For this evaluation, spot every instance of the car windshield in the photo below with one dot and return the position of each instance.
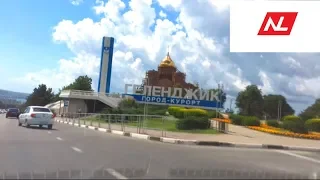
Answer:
(13, 110)
(41, 110)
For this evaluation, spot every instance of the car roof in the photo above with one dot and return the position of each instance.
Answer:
(38, 107)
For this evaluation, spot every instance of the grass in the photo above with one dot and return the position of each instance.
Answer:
(168, 124)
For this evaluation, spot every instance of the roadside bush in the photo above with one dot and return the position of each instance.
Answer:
(313, 125)
(181, 112)
(296, 126)
(190, 123)
(273, 123)
(128, 103)
(214, 114)
(160, 112)
(195, 112)
(173, 110)
(236, 119)
(290, 118)
(251, 121)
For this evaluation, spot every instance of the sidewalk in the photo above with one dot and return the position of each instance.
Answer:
(237, 134)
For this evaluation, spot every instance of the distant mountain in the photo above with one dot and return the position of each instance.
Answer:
(12, 94)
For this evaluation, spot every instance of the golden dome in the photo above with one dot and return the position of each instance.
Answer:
(167, 62)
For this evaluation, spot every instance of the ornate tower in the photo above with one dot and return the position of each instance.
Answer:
(167, 69)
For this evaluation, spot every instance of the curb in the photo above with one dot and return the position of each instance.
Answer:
(194, 142)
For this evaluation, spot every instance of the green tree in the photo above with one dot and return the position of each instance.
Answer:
(312, 111)
(250, 101)
(56, 96)
(128, 103)
(81, 83)
(40, 96)
(271, 104)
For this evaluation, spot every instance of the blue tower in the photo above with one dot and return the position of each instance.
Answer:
(105, 65)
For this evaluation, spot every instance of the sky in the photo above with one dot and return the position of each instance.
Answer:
(53, 42)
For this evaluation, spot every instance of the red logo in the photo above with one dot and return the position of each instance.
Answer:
(278, 23)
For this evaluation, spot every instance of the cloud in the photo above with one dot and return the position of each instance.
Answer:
(67, 70)
(199, 44)
(76, 2)
(162, 14)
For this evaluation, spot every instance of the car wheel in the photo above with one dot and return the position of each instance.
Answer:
(26, 123)
(50, 126)
(19, 124)
(6, 116)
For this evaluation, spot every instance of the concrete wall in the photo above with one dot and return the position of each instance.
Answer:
(75, 104)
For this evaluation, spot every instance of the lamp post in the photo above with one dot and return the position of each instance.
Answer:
(230, 104)
(145, 110)
(279, 109)
(217, 101)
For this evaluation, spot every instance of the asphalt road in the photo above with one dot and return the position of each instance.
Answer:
(72, 152)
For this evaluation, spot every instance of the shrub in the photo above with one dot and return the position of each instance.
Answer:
(251, 121)
(181, 112)
(160, 112)
(191, 122)
(236, 119)
(214, 114)
(195, 112)
(290, 118)
(273, 123)
(173, 110)
(128, 103)
(296, 126)
(313, 125)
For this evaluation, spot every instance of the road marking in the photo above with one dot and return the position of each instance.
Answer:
(77, 149)
(91, 127)
(314, 176)
(299, 156)
(115, 174)
(59, 138)
(49, 132)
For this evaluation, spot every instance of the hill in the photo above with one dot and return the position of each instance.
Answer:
(12, 94)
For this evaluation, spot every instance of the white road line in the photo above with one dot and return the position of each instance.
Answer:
(77, 149)
(299, 156)
(59, 138)
(49, 132)
(314, 176)
(116, 174)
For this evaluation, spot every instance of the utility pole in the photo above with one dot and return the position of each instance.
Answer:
(145, 108)
(221, 94)
(217, 101)
(230, 104)
(279, 109)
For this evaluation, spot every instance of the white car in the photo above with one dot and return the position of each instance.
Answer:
(36, 115)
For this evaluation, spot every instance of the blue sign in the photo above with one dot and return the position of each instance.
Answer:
(66, 103)
(176, 101)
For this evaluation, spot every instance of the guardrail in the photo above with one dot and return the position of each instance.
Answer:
(141, 124)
